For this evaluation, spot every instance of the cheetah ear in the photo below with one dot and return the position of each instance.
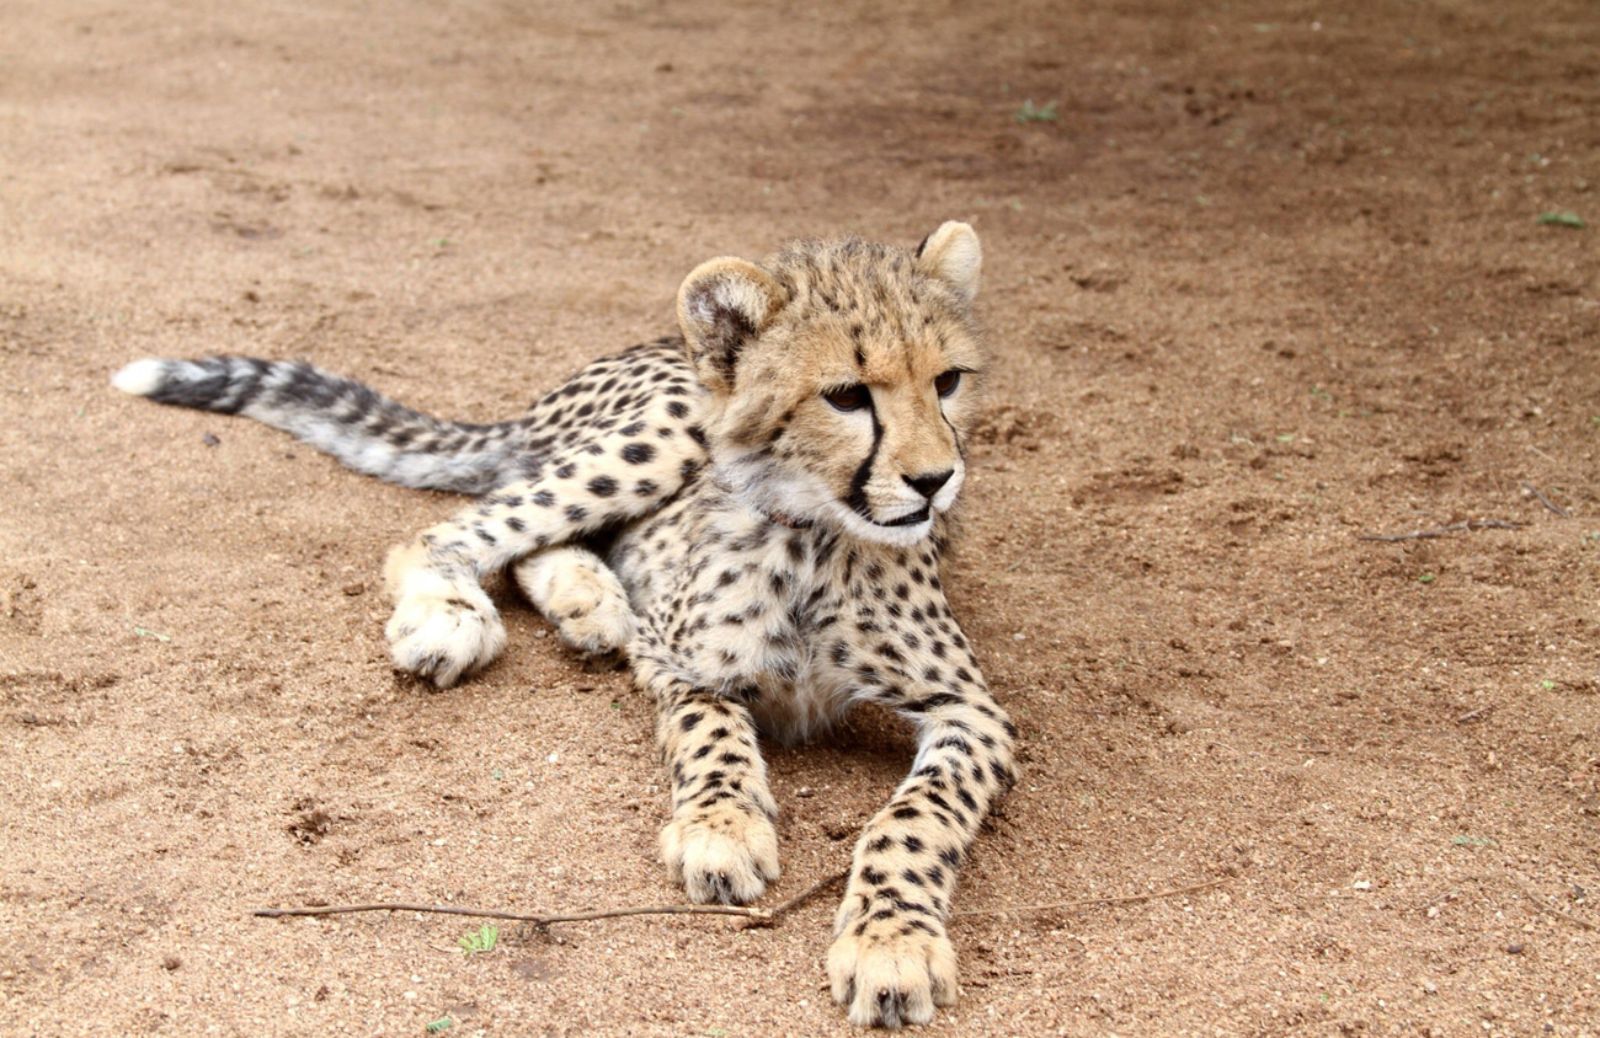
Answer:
(952, 255)
(722, 306)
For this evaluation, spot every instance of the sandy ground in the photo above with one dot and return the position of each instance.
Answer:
(1271, 279)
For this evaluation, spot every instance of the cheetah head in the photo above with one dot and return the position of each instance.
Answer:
(841, 379)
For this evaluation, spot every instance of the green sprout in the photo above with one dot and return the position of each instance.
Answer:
(481, 940)
(1031, 113)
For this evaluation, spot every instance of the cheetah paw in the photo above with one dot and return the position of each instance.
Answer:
(890, 973)
(442, 637)
(724, 853)
(592, 618)
(581, 596)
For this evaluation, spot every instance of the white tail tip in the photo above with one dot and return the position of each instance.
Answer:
(141, 378)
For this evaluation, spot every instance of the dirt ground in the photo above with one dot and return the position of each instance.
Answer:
(1272, 278)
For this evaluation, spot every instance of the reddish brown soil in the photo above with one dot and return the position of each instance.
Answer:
(1272, 279)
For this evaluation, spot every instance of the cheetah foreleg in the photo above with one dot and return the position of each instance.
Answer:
(891, 961)
(720, 842)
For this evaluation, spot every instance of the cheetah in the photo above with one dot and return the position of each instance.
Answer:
(752, 513)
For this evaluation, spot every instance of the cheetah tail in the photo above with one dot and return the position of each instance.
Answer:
(362, 428)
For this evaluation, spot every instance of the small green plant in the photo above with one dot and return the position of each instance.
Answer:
(1547, 685)
(1563, 218)
(1031, 113)
(1427, 578)
(145, 632)
(481, 940)
(1473, 841)
(439, 1026)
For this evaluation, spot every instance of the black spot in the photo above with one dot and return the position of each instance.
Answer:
(645, 488)
(688, 721)
(602, 486)
(514, 524)
(678, 409)
(638, 453)
(567, 471)
(577, 513)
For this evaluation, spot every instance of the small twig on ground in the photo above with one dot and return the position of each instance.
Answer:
(1475, 715)
(1543, 500)
(758, 916)
(1445, 531)
(1090, 902)
(1538, 902)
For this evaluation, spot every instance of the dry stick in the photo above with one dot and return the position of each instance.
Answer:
(757, 916)
(1443, 531)
(1536, 492)
(1538, 902)
(1087, 902)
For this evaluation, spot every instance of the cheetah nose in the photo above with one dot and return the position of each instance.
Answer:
(929, 484)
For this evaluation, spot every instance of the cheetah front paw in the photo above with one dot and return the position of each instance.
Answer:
(441, 637)
(892, 971)
(726, 853)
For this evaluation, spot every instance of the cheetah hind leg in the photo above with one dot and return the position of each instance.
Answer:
(578, 592)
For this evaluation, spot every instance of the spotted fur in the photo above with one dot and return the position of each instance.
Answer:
(753, 512)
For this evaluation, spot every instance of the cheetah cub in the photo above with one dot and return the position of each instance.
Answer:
(753, 513)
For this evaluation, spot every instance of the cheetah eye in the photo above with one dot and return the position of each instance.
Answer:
(848, 398)
(946, 384)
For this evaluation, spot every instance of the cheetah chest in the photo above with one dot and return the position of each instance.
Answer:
(741, 607)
